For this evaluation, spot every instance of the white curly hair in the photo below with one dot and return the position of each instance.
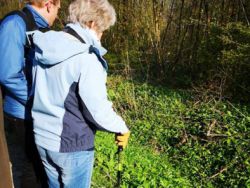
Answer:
(101, 12)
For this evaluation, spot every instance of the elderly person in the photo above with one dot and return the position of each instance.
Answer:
(70, 96)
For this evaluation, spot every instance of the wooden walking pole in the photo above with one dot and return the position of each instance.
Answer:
(5, 169)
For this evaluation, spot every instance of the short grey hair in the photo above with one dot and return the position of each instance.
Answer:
(86, 11)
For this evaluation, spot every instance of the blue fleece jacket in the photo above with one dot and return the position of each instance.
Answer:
(12, 62)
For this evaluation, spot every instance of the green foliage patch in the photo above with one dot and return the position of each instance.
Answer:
(142, 167)
(177, 140)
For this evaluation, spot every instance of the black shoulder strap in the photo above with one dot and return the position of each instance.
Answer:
(27, 17)
(43, 30)
(18, 12)
(31, 23)
(29, 20)
(15, 12)
(92, 49)
(72, 32)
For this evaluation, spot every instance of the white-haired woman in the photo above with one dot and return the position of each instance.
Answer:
(70, 97)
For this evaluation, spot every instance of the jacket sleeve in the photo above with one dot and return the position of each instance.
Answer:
(96, 106)
(12, 37)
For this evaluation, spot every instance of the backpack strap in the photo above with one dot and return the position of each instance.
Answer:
(72, 32)
(27, 17)
(92, 49)
(15, 12)
(30, 24)
(29, 20)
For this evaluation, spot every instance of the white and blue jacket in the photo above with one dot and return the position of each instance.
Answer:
(70, 96)
(12, 62)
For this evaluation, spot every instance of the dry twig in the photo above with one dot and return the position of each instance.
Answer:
(217, 174)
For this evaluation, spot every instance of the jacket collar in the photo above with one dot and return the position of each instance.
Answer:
(40, 21)
(88, 36)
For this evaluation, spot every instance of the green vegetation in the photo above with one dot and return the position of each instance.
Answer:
(177, 139)
(142, 166)
(201, 44)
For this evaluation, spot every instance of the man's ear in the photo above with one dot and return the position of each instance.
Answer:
(48, 5)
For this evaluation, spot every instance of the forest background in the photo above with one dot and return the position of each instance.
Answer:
(179, 76)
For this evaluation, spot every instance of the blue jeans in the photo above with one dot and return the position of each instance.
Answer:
(68, 170)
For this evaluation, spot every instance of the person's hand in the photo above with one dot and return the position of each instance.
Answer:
(122, 139)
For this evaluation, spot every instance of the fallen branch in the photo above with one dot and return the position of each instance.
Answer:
(211, 127)
(217, 135)
(217, 174)
(184, 139)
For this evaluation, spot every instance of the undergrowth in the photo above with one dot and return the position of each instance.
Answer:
(177, 140)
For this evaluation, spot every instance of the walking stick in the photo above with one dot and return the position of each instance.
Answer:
(119, 172)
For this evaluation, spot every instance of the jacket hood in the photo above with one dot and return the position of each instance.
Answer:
(53, 47)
